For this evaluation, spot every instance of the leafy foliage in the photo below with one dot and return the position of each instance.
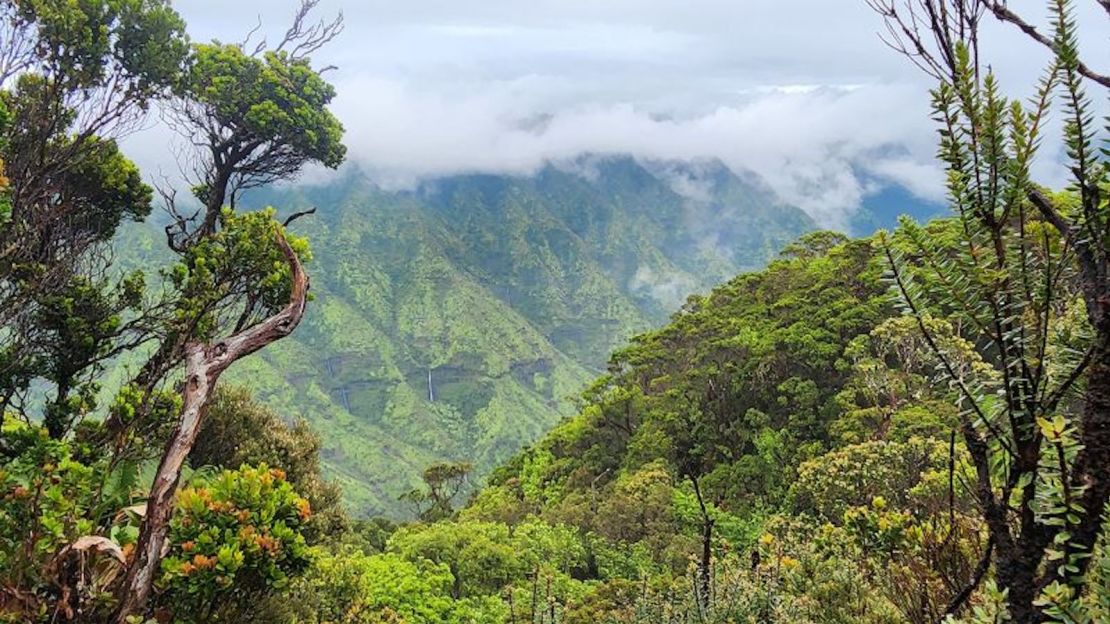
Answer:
(73, 75)
(267, 98)
(356, 588)
(233, 539)
(97, 359)
(458, 321)
(234, 277)
(1025, 278)
(238, 430)
(442, 484)
(795, 446)
(51, 499)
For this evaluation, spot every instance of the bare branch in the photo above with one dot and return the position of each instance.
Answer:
(302, 39)
(261, 45)
(17, 49)
(297, 215)
(1003, 13)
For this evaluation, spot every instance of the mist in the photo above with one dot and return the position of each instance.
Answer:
(822, 111)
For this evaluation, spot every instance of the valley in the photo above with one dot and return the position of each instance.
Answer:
(458, 321)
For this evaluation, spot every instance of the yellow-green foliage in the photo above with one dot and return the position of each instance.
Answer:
(513, 291)
(855, 475)
(356, 588)
(233, 538)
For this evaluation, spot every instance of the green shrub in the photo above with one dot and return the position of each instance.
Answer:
(233, 539)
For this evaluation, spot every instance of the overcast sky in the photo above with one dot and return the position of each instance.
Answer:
(800, 91)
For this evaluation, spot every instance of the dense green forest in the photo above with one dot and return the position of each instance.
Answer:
(459, 320)
(908, 427)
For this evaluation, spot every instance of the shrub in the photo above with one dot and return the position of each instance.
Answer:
(233, 539)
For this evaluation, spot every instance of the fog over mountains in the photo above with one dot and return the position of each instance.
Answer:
(522, 196)
(820, 110)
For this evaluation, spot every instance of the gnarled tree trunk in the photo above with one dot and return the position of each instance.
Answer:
(204, 363)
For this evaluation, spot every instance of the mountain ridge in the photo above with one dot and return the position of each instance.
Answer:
(459, 320)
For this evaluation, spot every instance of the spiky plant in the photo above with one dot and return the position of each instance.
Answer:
(1023, 274)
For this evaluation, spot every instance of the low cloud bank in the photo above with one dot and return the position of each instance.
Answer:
(812, 144)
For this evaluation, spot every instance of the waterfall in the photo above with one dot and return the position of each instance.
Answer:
(431, 389)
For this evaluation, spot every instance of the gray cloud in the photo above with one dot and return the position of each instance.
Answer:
(805, 143)
(800, 91)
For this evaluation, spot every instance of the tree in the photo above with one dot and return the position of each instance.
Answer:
(481, 556)
(1026, 276)
(442, 484)
(253, 122)
(697, 450)
(73, 77)
(358, 588)
(243, 249)
(255, 117)
(890, 394)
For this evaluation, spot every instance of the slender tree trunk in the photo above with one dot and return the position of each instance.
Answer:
(215, 203)
(56, 421)
(705, 563)
(1017, 570)
(705, 560)
(1019, 577)
(203, 366)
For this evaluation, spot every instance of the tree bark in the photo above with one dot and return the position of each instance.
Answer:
(1091, 473)
(705, 564)
(705, 561)
(215, 203)
(55, 421)
(204, 363)
(1019, 577)
(1092, 470)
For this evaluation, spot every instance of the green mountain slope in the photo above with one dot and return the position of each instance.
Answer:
(457, 320)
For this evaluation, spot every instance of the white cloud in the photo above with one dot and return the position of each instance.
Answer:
(800, 91)
(924, 179)
(806, 143)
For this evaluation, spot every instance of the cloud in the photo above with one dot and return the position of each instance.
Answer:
(800, 92)
(808, 144)
(669, 290)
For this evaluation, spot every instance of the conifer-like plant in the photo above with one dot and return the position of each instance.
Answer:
(1025, 276)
